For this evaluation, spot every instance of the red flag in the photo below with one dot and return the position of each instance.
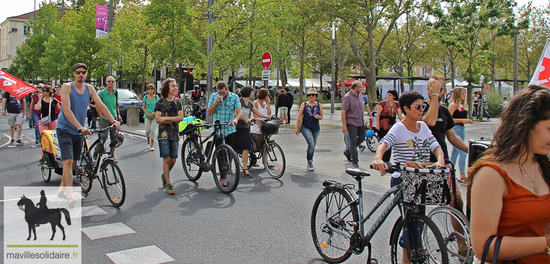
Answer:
(542, 72)
(14, 86)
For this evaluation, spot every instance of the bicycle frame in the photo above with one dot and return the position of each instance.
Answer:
(216, 134)
(102, 152)
(362, 220)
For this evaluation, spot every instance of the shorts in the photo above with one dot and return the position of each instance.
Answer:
(283, 110)
(15, 119)
(70, 145)
(168, 148)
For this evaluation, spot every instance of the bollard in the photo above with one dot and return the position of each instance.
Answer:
(132, 116)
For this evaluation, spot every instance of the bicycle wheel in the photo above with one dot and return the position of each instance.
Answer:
(274, 160)
(455, 229)
(372, 143)
(332, 205)
(45, 167)
(425, 240)
(83, 168)
(191, 159)
(187, 111)
(225, 168)
(113, 183)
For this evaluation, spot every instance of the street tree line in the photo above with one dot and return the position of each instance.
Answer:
(455, 38)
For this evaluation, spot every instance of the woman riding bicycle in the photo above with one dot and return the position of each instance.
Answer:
(411, 140)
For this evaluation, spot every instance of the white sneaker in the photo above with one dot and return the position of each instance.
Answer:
(151, 149)
(310, 166)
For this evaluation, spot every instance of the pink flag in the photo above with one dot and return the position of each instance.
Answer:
(542, 72)
(14, 86)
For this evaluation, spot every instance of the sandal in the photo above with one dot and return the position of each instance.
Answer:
(63, 194)
(246, 173)
(71, 202)
(270, 165)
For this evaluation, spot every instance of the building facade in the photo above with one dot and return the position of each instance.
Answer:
(13, 33)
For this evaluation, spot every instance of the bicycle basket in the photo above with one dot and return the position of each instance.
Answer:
(270, 128)
(425, 186)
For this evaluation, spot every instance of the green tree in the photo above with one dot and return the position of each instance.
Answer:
(27, 61)
(532, 40)
(171, 40)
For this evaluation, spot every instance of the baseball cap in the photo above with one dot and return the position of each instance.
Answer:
(80, 64)
(40, 85)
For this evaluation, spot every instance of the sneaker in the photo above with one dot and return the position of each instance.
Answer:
(19, 142)
(12, 142)
(310, 166)
(355, 165)
(348, 155)
(170, 189)
(151, 149)
(223, 182)
(361, 148)
(163, 181)
(37, 141)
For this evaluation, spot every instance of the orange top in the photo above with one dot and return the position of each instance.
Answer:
(524, 214)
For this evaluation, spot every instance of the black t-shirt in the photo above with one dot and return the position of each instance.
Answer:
(13, 106)
(46, 111)
(290, 99)
(444, 123)
(282, 100)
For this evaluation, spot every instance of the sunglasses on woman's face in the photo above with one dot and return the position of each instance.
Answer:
(419, 106)
(310, 95)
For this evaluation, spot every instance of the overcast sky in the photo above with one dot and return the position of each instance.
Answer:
(18, 7)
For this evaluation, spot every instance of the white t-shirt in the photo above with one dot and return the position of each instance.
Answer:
(410, 146)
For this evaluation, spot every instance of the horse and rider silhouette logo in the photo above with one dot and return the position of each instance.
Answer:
(41, 214)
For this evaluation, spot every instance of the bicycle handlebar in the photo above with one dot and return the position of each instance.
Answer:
(99, 130)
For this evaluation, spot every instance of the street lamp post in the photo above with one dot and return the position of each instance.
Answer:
(333, 82)
(210, 70)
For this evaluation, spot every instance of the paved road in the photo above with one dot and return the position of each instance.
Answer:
(263, 221)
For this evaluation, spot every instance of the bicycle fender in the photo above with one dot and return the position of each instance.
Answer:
(393, 230)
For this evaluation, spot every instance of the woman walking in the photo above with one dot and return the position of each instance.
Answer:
(242, 142)
(47, 105)
(151, 126)
(459, 111)
(509, 186)
(387, 111)
(310, 112)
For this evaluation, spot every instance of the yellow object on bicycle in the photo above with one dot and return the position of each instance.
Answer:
(186, 121)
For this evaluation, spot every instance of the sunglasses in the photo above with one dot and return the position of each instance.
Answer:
(419, 106)
(110, 81)
(80, 72)
(150, 88)
(311, 95)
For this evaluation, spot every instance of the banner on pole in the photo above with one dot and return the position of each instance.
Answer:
(14, 86)
(542, 72)
(101, 21)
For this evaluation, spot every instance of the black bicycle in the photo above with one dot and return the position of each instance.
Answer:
(337, 222)
(265, 148)
(94, 160)
(195, 159)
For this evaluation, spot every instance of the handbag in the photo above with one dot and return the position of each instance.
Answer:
(47, 119)
(300, 121)
(495, 252)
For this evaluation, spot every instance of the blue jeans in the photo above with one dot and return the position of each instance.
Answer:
(36, 118)
(311, 139)
(460, 131)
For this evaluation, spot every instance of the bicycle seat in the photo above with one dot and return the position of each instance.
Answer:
(357, 172)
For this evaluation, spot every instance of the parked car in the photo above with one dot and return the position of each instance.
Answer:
(127, 97)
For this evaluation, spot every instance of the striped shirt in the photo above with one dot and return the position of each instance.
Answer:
(410, 146)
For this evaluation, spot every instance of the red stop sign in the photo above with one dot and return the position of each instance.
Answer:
(266, 60)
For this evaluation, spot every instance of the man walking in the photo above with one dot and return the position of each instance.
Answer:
(225, 106)
(71, 124)
(15, 109)
(109, 97)
(290, 102)
(353, 120)
(168, 114)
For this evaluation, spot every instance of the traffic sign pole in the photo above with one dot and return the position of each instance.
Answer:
(266, 63)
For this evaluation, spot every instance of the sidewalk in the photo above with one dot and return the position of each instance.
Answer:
(328, 157)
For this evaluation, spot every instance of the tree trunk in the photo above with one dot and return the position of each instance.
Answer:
(146, 49)
(302, 62)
